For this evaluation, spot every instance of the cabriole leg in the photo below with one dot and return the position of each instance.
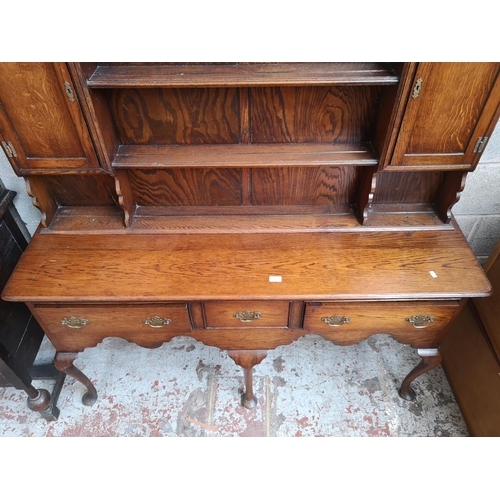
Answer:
(431, 358)
(247, 360)
(64, 363)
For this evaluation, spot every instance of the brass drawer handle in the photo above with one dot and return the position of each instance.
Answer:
(336, 320)
(247, 316)
(157, 322)
(420, 321)
(74, 322)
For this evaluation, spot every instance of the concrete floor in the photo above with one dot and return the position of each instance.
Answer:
(184, 388)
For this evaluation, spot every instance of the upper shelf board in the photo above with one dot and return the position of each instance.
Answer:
(243, 75)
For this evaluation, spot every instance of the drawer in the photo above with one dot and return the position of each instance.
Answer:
(351, 321)
(246, 314)
(78, 326)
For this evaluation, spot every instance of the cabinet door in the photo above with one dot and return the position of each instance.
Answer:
(41, 123)
(450, 111)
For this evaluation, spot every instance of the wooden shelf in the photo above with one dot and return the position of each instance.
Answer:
(410, 215)
(87, 220)
(244, 155)
(127, 267)
(205, 220)
(241, 219)
(244, 219)
(243, 75)
(146, 222)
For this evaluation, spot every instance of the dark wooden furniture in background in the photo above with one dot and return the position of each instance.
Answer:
(246, 205)
(471, 357)
(20, 334)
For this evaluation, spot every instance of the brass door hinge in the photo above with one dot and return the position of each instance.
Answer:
(480, 144)
(9, 149)
(69, 92)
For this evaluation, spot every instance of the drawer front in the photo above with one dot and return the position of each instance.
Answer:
(348, 322)
(79, 326)
(246, 314)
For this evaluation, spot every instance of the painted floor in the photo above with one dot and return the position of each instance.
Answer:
(184, 388)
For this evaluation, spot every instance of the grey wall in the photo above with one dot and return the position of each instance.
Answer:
(29, 214)
(477, 212)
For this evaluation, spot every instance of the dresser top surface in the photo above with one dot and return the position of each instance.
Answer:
(372, 265)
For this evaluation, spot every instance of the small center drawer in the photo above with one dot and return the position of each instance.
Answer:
(246, 314)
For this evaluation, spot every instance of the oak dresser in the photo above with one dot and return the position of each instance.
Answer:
(246, 204)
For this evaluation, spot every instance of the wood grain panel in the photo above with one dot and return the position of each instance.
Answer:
(471, 357)
(304, 186)
(83, 190)
(472, 370)
(407, 187)
(456, 105)
(313, 114)
(176, 116)
(187, 187)
(455, 111)
(33, 99)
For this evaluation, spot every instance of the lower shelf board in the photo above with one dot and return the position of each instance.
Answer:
(241, 219)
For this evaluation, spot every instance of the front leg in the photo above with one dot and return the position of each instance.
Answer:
(64, 363)
(431, 358)
(247, 360)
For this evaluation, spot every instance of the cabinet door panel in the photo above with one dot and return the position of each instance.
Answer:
(44, 125)
(444, 120)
